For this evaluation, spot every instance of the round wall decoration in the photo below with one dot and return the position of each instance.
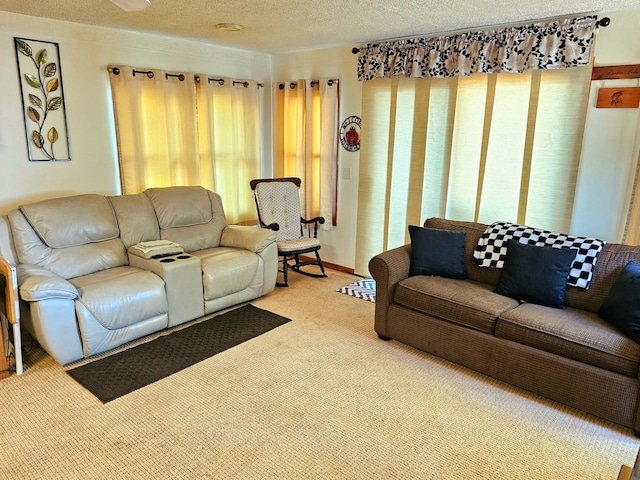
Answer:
(350, 134)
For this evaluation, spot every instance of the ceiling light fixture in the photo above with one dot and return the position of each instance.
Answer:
(132, 5)
(229, 27)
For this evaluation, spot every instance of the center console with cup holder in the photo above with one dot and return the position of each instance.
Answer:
(182, 275)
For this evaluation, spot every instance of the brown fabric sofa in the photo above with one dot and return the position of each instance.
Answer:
(568, 355)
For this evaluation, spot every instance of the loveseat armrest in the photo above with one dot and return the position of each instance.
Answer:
(37, 283)
(249, 238)
(387, 269)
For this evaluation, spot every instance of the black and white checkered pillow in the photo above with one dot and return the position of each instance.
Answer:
(491, 249)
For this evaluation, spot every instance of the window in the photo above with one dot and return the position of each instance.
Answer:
(185, 129)
(485, 147)
(306, 142)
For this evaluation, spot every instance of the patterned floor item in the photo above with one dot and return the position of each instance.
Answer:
(364, 289)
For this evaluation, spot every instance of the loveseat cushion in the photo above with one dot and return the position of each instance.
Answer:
(460, 301)
(85, 253)
(192, 217)
(71, 221)
(180, 206)
(120, 297)
(67, 262)
(571, 333)
(136, 218)
(226, 270)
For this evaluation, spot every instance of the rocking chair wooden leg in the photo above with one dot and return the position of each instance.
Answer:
(320, 264)
(285, 271)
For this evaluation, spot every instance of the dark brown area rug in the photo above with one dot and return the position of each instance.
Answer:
(116, 375)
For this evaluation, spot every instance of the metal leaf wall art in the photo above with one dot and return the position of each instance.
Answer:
(42, 99)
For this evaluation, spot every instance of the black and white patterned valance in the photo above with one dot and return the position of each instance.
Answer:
(552, 45)
(491, 249)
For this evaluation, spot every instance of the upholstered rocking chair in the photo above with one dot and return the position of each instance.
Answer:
(278, 204)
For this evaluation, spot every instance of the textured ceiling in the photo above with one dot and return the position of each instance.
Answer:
(275, 26)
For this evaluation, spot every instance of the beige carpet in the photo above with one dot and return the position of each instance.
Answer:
(320, 397)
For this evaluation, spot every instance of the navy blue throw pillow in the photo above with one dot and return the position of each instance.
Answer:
(535, 274)
(437, 252)
(621, 308)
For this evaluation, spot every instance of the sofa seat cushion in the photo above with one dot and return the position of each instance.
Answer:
(226, 270)
(465, 302)
(120, 297)
(571, 333)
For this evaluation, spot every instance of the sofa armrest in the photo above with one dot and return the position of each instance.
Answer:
(37, 283)
(387, 269)
(250, 238)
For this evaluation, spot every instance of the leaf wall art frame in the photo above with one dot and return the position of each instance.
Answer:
(42, 100)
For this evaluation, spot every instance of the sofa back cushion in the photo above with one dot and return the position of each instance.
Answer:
(136, 218)
(192, 217)
(70, 236)
(611, 260)
(609, 264)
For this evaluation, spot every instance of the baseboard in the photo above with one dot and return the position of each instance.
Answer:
(332, 266)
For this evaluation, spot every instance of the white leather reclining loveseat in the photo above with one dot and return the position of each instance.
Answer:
(82, 293)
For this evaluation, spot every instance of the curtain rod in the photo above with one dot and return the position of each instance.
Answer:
(220, 81)
(604, 22)
(313, 82)
(181, 77)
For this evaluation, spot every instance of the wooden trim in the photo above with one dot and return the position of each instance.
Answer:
(332, 266)
(615, 72)
(10, 292)
(12, 306)
(339, 268)
(6, 270)
(628, 473)
(4, 367)
(625, 473)
(253, 183)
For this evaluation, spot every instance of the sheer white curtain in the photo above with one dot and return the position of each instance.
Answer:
(229, 142)
(155, 116)
(186, 129)
(305, 132)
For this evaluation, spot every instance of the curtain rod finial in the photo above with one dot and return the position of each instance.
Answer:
(355, 50)
(603, 22)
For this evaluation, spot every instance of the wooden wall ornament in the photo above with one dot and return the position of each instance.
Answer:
(621, 97)
(615, 72)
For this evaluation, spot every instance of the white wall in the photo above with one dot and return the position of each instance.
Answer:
(85, 52)
(611, 139)
(338, 245)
